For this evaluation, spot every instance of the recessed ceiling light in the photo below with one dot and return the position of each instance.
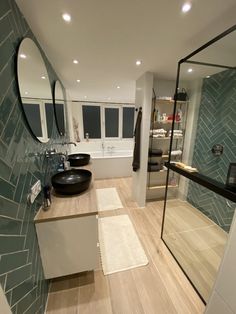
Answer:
(118, 86)
(43, 77)
(23, 56)
(85, 97)
(208, 76)
(26, 93)
(138, 62)
(78, 81)
(186, 7)
(75, 61)
(190, 70)
(66, 17)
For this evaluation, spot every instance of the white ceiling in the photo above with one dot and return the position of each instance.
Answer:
(108, 36)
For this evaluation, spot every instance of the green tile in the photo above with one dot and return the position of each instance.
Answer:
(21, 290)
(7, 104)
(8, 208)
(5, 27)
(6, 189)
(11, 261)
(15, 172)
(19, 187)
(26, 301)
(33, 308)
(10, 226)
(5, 170)
(17, 276)
(10, 244)
(10, 126)
(21, 212)
(6, 52)
(6, 77)
(3, 148)
(4, 7)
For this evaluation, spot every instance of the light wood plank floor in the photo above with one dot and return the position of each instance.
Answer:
(160, 287)
(197, 243)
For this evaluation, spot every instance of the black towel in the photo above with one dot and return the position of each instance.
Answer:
(155, 152)
(137, 138)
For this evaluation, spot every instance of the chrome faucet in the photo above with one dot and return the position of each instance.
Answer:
(66, 143)
(69, 143)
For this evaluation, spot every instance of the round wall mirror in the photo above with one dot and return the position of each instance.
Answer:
(35, 90)
(59, 106)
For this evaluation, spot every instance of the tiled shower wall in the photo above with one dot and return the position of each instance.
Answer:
(216, 125)
(22, 162)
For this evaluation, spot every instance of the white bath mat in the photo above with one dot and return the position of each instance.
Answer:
(108, 199)
(119, 245)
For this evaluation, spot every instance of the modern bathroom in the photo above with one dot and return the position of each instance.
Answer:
(117, 157)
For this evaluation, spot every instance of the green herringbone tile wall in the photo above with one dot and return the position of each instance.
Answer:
(22, 163)
(216, 125)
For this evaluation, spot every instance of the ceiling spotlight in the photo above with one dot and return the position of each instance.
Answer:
(85, 97)
(66, 17)
(208, 76)
(118, 87)
(43, 77)
(23, 56)
(78, 81)
(190, 70)
(186, 7)
(138, 62)
(26, 93)
(75, 61)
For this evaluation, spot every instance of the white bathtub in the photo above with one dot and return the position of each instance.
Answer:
(111, 164)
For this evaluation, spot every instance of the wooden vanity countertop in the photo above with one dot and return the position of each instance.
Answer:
(64, 207)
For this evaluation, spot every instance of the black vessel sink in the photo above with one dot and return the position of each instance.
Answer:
(78, 160)
(72, 181)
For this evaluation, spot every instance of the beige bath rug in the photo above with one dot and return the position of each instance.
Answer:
(119, 245)
(108, 199)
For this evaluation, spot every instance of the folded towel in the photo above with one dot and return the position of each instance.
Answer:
(155, 152)
(176, 152)
(155, 168)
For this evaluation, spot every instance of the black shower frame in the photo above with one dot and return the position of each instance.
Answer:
(203, 181)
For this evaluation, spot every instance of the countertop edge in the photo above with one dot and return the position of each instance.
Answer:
(41, 220)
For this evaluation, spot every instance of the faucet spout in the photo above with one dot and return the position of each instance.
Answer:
(69, 143)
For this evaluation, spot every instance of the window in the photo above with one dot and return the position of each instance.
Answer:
(32, 112)
(128, 122)
(92, 121)
(103, 121)
(112, 122)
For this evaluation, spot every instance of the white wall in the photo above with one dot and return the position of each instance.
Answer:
(223, 298)
(143, 98)
(164, 88)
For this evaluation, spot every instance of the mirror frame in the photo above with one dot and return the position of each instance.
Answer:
(58, 82)
(19, 91)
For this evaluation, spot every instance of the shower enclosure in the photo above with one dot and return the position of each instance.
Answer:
(197, 218)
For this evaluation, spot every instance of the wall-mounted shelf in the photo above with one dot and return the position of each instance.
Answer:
(161, 109)
(166, 138)
(213, 185)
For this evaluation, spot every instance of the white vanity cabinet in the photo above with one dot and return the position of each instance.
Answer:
(68, 246)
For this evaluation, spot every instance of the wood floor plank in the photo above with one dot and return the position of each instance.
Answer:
(158, 288)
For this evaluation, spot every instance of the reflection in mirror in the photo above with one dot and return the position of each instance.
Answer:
(59, 105)
(35, 90)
